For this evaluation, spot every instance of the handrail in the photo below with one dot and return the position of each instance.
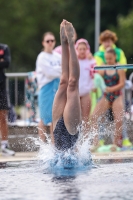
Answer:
(131, 77)
(16, 76)
(23, 74)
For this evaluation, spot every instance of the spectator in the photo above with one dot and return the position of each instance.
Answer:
(48, 71)
(108, 39)
(114, 81)
(31, 96)
(5, 59)
(86, 83)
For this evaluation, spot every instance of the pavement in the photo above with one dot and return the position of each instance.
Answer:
(29, 156)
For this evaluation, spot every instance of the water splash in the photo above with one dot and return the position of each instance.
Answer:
(74, 160)
(69, 162)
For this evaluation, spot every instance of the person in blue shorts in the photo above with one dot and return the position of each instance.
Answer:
(48, 71)
(66, 106)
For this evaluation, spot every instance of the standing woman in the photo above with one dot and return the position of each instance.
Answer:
(86, 80)
(48, 70)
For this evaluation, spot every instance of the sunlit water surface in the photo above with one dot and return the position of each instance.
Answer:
(26, 181)
(68, 176)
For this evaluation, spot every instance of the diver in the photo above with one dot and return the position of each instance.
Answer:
(66, 106)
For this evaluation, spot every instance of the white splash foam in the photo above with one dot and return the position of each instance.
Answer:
(51, 159)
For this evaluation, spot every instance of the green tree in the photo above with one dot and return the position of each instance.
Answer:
(22, 24)
(125, 34)
(124, 31)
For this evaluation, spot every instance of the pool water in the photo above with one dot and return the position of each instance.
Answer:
(29, 181)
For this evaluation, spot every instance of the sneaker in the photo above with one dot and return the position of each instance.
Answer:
(126, 143)
(6, 151)
(108, 148)
(101, 142)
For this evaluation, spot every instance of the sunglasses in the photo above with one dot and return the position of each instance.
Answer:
(48, 41)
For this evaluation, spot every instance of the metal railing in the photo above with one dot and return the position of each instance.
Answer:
(16, 76)
(127, 93)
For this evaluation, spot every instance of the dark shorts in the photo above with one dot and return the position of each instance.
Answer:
(3, 96)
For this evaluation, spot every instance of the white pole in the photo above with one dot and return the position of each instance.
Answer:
(97, 23)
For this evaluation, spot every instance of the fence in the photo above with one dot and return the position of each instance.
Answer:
(16, 76)
(127, 92)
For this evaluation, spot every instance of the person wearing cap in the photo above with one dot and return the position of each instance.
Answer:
(86, 80)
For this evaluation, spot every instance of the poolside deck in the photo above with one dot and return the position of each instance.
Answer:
(29, 156)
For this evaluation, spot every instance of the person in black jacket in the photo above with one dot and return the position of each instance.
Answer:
(5, 60)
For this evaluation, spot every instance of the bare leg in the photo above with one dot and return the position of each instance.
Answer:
(100, 109)
(51, 134)
(85, 102)
(60, 97)
(3, 125)
(72, 111)
(41, 130)
(118, 110)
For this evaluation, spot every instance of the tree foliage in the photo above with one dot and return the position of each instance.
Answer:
(125, 33)
(22, 24)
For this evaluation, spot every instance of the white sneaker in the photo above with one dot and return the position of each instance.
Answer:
(6, 151)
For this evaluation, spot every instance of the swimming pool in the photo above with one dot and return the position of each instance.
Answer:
(28, 181)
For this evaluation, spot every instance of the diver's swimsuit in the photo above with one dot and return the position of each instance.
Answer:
(63, 140)
(111, 80)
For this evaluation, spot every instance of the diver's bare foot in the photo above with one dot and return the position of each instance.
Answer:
(63, 36)
(69, 32)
